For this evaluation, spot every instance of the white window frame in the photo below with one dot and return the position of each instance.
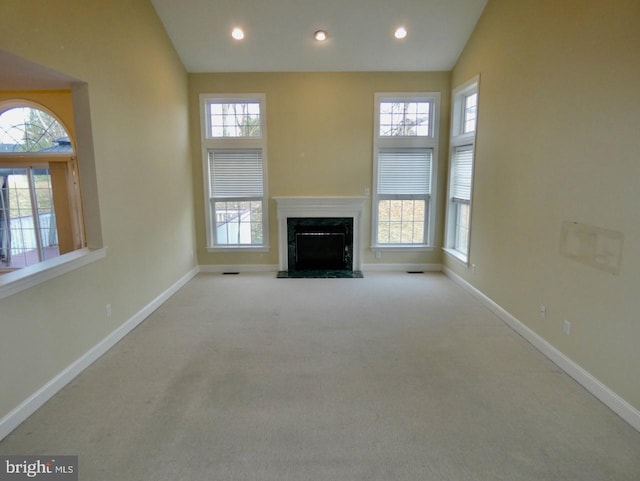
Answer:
(429, 141)
(459, 138)
(210, 143)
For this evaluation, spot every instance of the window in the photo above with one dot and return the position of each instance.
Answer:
(234, 119)
(470, 111)
(79, 243)
(28, 231)
(39, 205)
(463, 133)
(234, 141)
(405, 147)
(404, 119)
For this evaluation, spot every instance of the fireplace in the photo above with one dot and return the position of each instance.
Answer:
(324, 243)
(319, 233)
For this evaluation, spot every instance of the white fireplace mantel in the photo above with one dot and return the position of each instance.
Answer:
(319, 207)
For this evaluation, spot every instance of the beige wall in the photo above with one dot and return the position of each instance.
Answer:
(320, 142)
(557, 141)
(139, 115)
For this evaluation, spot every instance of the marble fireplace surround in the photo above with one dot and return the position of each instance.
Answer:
(326, 206)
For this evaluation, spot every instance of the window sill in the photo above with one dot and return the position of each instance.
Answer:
(28, 277)
(238, 249)
(457, 255)
(401, 248)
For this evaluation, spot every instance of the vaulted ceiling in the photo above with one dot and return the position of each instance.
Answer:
(279, 34)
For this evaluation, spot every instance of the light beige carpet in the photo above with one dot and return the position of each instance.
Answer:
(391, 377)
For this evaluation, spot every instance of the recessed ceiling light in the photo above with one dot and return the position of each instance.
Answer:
(400, 33)
(320, 35)
(237, 33)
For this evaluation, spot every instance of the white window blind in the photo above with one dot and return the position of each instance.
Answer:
(236, 173)
(461, 173)
(404, 171)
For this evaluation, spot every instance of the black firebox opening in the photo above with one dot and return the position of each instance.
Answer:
(321, 250)
(320, 244)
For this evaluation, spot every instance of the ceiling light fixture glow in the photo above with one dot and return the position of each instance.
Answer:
(237, 33)
(400, 33)
(320, 35)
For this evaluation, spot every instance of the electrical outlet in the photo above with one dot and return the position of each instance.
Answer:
(107, 310)
(378, 255)
(542, 311)
(566, 327)
(473, 268)
(367, 191)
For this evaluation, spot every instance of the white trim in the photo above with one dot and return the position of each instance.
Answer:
(401, 248)
(207, 99)
(220, 268)
(431, 97)
(617, 404)
(248, 248)
(457, 111)
(22, 279)
(401, 267)
(456, 255)
(30, 405)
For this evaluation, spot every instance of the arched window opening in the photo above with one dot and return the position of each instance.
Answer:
(39, 205)
(28, 129)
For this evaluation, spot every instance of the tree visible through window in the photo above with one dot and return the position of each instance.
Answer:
(234, 142)
(234, 119)
(404, 119)
(25, 129)
(405, 148)
(28, 224)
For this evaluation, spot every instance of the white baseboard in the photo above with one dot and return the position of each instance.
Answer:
(274, 268)
(18, 415)
(401, 267)
(214, 268)
(617, 404)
